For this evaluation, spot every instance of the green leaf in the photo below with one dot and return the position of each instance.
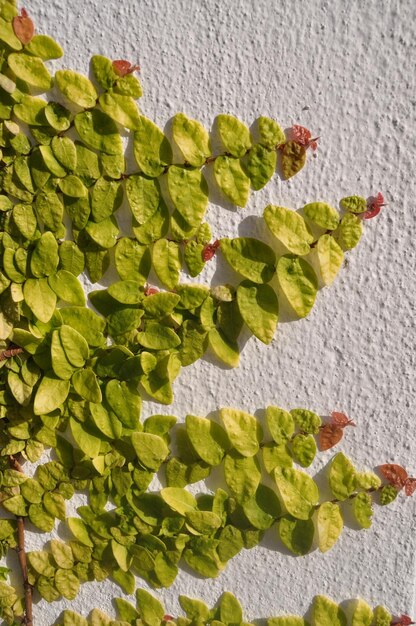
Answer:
(50, 210)
(297, 491)
(44, 259)
(121, 555)
(231, 179)
(62, 554)
(330, 258)
(325, 612)
(259, 308)
(308, 421)
(106, 422)
(15, 505)
(40, 298)
(73, 619)
(289, 227)
(341, 477)
(151, 148)
(143, 195)
(263, 509)
(296, 534)
(86, 385)
(349, 232)
(259, 165)
(25, 219)
(224, 349)
(103, 71)
(106, 198)
(354, 204)
(329, 525)
(304, 449)
(179, 500)
(54, 504)
(19, 389)
(250, 257)
(73, 186)
(192, 139)
(98, 131)
(158, 337)
(75, 346)
(280, 423)
(362, 615)
(235, 136)
(276, 455)
(287, 620)
(270, 133)
(298, 282)
(362, 509)
(31, 70)
(51, 393)
(207, 438)
(44, 47)
(86, 322)
(159, 305)
(132, 260)
(188, 191)
(230, 609)
(125, 610)
(322, 214)
(103, 233)
(76, 88)
(58, 117)
(293, 159)
(242, 475)
(243, 430)
(167, 262)
(79, 530)
(151, 610)
(122, 109)
(31, 110)
(90, 444)
(65, 151)
(155, 227)
(204, 522)
(125, 402)
(67, 583)
(194, 609)
(151, 449)
(67, 287)
(382, 617)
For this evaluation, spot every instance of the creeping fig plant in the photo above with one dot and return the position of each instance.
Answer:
(72, 378)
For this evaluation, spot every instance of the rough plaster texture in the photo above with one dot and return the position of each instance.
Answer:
(346, 70)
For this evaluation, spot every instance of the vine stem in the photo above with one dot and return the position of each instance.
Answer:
(21, 554)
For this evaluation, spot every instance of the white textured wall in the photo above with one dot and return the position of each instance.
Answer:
(346, 70)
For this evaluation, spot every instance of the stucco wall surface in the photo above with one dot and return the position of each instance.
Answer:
(345, 70)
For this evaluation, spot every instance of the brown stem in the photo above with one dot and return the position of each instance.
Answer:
(21, 554)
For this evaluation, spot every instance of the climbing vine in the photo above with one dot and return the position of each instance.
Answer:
(73, 374)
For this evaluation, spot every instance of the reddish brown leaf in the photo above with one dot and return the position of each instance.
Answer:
(150, 291)
(23, 27)
(340, 419)
(374, 204)
(403, 620)
(168, 618)
(410, 486)
(303, 137)
(122, 68)
(329, 436)
(395, 474)
(209, 250)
